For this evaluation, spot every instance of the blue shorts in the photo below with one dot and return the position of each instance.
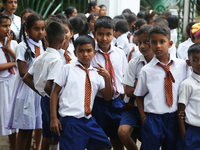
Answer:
(78, 134)
(160, 130)
(191, 140)
(45, 105)
(108, 115)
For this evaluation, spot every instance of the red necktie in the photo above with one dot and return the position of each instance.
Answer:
(94, 35)
(11, 70)
(168, 83)
(109, 68)
(37, 51)
(87, 91)
(129, 36)
(130, 54)
(67, 57)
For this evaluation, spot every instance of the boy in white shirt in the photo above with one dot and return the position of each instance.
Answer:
(41, 75)
(159, 82)
(81, 82)
(189, 101)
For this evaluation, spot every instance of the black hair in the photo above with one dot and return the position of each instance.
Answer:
(14, 36)
(144, 30)
(53, 36)
(161, 20)
(102, 5)
(60, 16)
(160, 29)
(22, 14)
(89, 6)
(91, 16)
(69, 11)
(173, 21)
(28, 24)
(119, 17)
(127, 10)
(149, 15)
(105, 22)
(140, 15)
(4, 16)
(77, 24)
(131, 18)
(138, 24)
(82, 16)
(166, 14)
(84, 39)
(188, 27)
(85, 29)
(66, 22)
(121, 26)
(195, 48)
(125, 15)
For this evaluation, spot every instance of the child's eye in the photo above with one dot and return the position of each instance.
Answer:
(108, 34)
(162, 41)
(195, 60)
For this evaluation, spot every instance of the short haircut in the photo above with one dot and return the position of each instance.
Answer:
(149, 15)
(173, 21)
(121, 26)
(144, 30)
(195, 48)
(189, 26)
(91, 16)
(140, 15)
(131, 18)
(105, 22)
(4, 16)
(55, 31)
(162, 21)
(160, 29)
(84, 39)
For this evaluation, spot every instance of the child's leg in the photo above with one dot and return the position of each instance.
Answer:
(37, 138)
(46, 142)
(12, 141)
(117, 144)
(24, 139)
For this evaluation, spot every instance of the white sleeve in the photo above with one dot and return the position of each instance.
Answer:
(54, 69)
(20, 51)
(61, 78)
(184, 93)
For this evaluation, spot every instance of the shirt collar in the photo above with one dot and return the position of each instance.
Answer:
(98, 49)
(38, 44)
(122, 36)
(142, 59)
(196, 76)
(52, 50)
(4, 42)
(78, 63)
(155, 60)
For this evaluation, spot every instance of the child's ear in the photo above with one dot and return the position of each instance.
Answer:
(170, 44)
(188, 62)
(193, 40)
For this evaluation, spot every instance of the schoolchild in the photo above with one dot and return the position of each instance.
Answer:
(67, 51)
(25, 109)
(189, 98)
(90, 22)
(157, 91)
(114, 60)
(183, 47)
(81, 82)
(7, 75)
(41, 75)
(150, 15)
(121, 29)
(195, 33)
(92, 7)
(131, 20)
(131, 121)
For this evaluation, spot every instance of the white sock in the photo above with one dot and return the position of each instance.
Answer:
(54, 147)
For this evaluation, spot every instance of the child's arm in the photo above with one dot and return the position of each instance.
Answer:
(181, 121)
(28, 79)
(130, 90)
(55, 123)
(48, 87)
(6, 66)
(140, 104)
(107, 91)
(22, 67)
(7, 46)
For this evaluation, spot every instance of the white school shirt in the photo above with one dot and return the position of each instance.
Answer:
(119, 63)
(190, 96)
(122, 42)
(172, 51)
(46, 67)
(87, 15)
(72, 98)
(182, 51)
(131, 38)
(16, 25)
(5, 74)
(132, 72)
(135, 53)
(70, 53)
(173, 36)
(152, 81)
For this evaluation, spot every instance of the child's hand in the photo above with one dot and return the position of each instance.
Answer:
(182, 114)
(9, 38)
(143, 120)
(102, 71)
(55, 125)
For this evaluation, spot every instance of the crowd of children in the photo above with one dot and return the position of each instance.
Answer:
(87, 81)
